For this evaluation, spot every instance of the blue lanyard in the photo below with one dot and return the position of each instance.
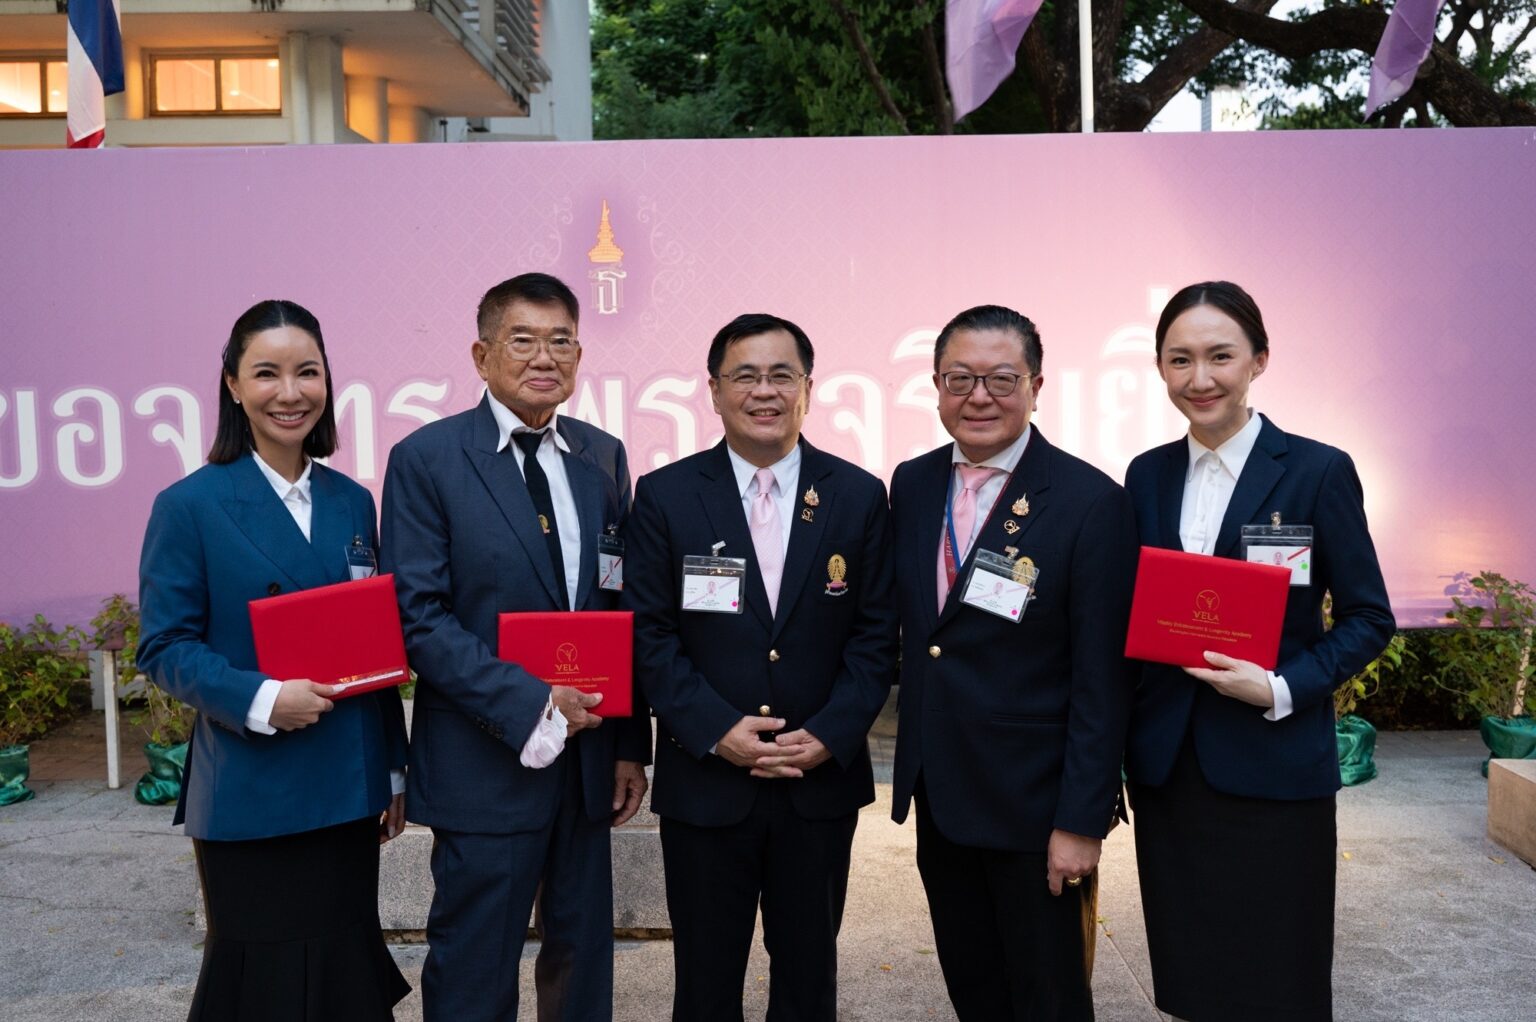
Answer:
(949, 520)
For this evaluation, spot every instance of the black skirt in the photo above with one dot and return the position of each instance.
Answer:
(1238, 899)
(293, 929)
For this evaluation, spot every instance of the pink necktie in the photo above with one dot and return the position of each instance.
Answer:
(767, 537)
(964, 510)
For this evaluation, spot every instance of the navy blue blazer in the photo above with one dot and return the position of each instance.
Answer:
(1240, 752)
(1016, 728)
(823, 662)
(217, 540)
(462, 538)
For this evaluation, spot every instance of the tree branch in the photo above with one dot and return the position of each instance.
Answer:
(943, 109)
(1131, 106)
(856, 36)
(1453, 89)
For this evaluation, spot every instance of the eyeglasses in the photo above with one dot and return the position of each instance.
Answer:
(997, 384)
(526, 346)
(745, 379)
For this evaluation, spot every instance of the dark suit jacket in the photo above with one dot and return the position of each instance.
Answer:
(1240, 751)
(1017, 728)
(217, 540)
(462, 538)
(824, 662)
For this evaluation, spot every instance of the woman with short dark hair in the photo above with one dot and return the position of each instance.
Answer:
(1233, 769)
(287, 794)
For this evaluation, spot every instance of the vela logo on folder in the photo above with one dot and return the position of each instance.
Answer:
(346, 634)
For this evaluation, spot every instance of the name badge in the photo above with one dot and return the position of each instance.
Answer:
(610, 563)
(1000, 585)
(713, 585)
(361, 561)
(1285, 546)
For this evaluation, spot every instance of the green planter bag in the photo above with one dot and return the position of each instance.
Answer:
(1508, 738)
(13, 775)
(1357, 749)
(162, 785)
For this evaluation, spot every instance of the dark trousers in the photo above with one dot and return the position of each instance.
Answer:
(797, 869)
(486, 885)
(1009, 949)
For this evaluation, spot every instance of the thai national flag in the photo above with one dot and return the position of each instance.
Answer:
(95, 69)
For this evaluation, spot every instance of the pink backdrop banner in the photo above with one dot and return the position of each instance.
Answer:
(1400, 307)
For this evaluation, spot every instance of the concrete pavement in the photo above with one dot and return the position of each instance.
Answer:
(1434, 920)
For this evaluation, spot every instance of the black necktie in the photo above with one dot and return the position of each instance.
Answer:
(544, 504)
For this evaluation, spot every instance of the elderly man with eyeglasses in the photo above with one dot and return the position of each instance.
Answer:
(1014, 565)
(500, 508)
(765, 640)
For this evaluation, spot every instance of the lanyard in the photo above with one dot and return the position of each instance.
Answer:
(951, 542)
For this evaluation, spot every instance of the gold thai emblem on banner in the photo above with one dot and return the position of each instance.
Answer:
(837, 570)
(607, 273)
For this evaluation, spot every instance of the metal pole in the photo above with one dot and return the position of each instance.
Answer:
(109, 703)
(1085, 61)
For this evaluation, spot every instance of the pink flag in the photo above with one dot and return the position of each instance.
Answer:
(1409, 34)
(982, 38)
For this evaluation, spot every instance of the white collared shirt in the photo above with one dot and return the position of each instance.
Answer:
(551, 447)
(786, 480)
(1007, 459)
(295, 495)
(1208, 487)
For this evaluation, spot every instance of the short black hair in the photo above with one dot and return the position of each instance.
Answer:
(994, 317)
(538, 288)
(232, 438)
(750, 325)
(1224, 296)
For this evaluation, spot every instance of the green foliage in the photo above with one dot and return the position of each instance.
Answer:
(167, 720)
(1485, 657)
(38, 667)
(1368, 682)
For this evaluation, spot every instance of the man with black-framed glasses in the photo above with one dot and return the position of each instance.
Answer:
(1015, 563)
(502, 508)
(765, 640)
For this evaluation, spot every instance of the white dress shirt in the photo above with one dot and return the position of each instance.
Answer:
(786, 480)
(1208, 488)
(1007, 460)
(297, 499)
(547, 740)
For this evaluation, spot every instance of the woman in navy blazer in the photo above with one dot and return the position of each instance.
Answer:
(287, 794)
(1233, 769)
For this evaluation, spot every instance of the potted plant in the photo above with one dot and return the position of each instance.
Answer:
(1485, 657)
(36, 668)
(1356, 736)
(166, 720)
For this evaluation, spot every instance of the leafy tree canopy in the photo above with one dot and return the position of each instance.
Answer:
(736, 68)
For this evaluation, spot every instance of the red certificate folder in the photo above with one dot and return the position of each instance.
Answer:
(1185, 604)
(592, 650)
(345, 634)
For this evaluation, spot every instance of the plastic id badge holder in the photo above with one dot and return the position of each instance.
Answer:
(712, 584)
(1000, 585)
(1284, 546)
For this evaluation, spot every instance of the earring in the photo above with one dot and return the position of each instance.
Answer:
(237, 400)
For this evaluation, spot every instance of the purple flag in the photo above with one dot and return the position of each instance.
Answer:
(982, 39)
(1409, 34)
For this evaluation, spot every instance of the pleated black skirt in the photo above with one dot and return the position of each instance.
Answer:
(293, 930)
(1238, 899)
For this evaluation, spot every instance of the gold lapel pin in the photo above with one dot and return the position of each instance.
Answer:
(1021, 506)
(1010, 526)
(807, 515)
(812, 498)
(544, 524)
